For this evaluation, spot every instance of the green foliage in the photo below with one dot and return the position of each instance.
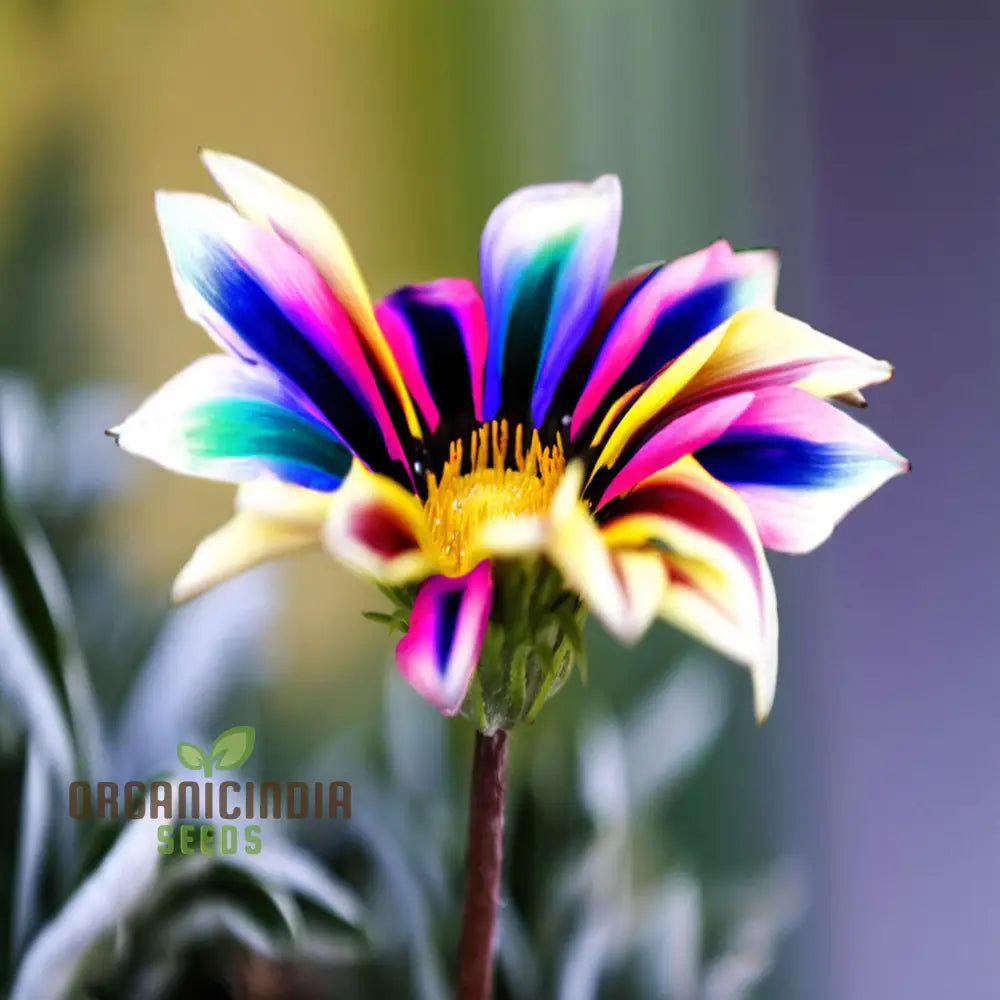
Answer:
(97, 910)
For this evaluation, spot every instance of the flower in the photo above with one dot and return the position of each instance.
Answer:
(501, 459)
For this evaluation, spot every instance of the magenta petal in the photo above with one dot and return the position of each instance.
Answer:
(441, 649)
(680, 437)
(437, 334)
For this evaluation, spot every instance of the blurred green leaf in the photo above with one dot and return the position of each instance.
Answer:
(116, 889)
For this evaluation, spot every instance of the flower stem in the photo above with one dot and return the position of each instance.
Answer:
(482, 867)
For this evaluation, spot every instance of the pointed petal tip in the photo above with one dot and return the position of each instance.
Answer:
(608, 184)
(607, 189)
(900, 463)
(852, 397)
(629, 631)
(882, 370)
(764, 680)
(186, 587)
(217, 163)
(180, 213)
(164, 197)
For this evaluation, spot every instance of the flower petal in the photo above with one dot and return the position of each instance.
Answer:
(800, 464)
(244, 541)
(579, 369)
(437, 332)
(665, 314)
(708, 603)
(681, 436)
(441, 649)
(263, 301)
(645, 413)
(302, 221)
(271, 498)
(272, 519)
(761, 348)
(377, 527)
(623, 588)
(545, 258)
(642, 405)
(717, 571)
(222, 418)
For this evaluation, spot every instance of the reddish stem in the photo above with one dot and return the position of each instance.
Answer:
(482, 867)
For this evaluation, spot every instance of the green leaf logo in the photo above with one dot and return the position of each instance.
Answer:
(232, 747)
(229, 750)
(190, 756)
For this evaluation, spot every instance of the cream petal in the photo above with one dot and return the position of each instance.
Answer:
(244, 541)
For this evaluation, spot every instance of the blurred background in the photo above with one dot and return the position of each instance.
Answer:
(859, 137)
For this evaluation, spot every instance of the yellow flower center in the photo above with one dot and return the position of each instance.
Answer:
(460, 503)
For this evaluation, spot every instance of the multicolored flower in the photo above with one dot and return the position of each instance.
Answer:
(501, 457)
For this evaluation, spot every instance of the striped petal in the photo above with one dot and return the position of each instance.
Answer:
(666, 313)
(441, 649)
(800, 464)
(302, 221)
(623, 588)
(640, 421)
(437, 332)
(580, 367)
(545, 258)
(222, 418)
(262, 300)
(719, 585)
(761, 348)
(272, 519)
(646, 405)
(679, 437)
(377, 528)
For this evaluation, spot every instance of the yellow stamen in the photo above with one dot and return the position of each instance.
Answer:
(459, 504)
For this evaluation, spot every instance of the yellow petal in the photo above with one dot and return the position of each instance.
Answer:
(762, 347)
(660, 391)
